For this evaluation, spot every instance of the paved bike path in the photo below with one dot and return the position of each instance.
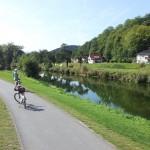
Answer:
(43, 126)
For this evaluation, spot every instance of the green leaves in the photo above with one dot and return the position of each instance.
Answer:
(29, 66)
(121, 44)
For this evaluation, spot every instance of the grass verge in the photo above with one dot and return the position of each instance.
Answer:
(8, 137)
(126, 132)
(126, 72)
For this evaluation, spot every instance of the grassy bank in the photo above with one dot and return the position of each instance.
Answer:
(133, 72)
(125, 131)
(8, 136)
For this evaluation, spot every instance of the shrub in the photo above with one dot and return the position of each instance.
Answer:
(29, 67)
(67, 71)
(84, 70)
(142, 78)
(141, 65)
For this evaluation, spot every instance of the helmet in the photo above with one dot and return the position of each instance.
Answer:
(15, 69)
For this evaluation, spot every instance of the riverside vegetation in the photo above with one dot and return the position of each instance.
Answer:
(127, 72)
(126, 132)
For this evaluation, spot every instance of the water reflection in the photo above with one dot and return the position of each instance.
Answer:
(133, 99)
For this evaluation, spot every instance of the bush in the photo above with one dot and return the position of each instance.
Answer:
(142, 65)
(84, 70)
(142, 79)
(29, 67)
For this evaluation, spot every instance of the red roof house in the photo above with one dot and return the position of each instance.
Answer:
(95, 58)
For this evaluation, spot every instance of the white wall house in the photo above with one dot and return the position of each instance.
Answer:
(94, 58)
(143, 57)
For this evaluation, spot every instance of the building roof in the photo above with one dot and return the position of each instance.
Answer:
(95, 56)
(144, 52)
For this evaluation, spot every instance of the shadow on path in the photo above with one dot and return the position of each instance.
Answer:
(32, 107)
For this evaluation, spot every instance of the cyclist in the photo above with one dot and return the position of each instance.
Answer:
(18, 87)
(16, 76)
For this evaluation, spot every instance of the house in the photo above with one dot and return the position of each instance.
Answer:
(83, 60)
(95, 58)
(143, 57)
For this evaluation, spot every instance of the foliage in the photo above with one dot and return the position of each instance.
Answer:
(29, 66)
(65, 53)
(121, 44)
(9, 55)
(126, 72)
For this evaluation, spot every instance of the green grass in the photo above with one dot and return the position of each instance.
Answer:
(126, 72)
(125, 131)
(105, 66)
(8, 137)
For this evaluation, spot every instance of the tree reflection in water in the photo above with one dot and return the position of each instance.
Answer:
(131, 98)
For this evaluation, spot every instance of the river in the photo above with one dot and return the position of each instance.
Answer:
(131, 98)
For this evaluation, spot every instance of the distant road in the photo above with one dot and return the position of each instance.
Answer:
(43, 126)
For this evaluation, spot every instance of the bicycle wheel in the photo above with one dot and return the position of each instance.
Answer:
(17, 97)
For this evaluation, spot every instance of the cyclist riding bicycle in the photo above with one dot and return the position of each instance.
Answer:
(16, 76)
(21, 90)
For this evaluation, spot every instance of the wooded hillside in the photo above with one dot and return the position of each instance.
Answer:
(122, 43)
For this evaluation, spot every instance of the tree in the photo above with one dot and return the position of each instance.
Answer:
(29, 66)
(35, 56)
(94, 46)
(11, 54)
(58, 56)
(1, 58)
(65, 53)
(137, 39)
(102, 39)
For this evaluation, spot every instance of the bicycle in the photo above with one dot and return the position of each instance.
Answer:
(20, 95)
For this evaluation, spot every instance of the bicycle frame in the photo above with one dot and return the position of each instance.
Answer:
(20, 95)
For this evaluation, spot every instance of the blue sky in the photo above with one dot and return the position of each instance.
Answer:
(46, 24)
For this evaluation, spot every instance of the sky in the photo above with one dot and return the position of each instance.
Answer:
(47, 24)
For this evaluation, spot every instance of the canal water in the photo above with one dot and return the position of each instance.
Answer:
(131, 98)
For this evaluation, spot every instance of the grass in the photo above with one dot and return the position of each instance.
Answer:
(128, 72)
(115, 66)
(8, 137)
(112, 66)
(126, 132)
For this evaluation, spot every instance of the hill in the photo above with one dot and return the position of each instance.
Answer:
(69, 47)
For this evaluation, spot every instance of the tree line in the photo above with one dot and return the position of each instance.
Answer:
(122, 43)
(12, 56)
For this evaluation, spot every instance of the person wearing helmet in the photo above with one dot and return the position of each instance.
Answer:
(16, 77)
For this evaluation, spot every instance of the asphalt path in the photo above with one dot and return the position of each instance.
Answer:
(44, 126)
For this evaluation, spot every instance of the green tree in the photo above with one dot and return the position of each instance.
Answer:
(11, 53)
(35, 56)
(1, 58)
(93, 46)
(28, 66)
(102, 39)
(65, 53)
(137, 39)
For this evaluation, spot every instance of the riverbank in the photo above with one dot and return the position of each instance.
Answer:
(125, 131)
(127, 72)
(8, 136)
